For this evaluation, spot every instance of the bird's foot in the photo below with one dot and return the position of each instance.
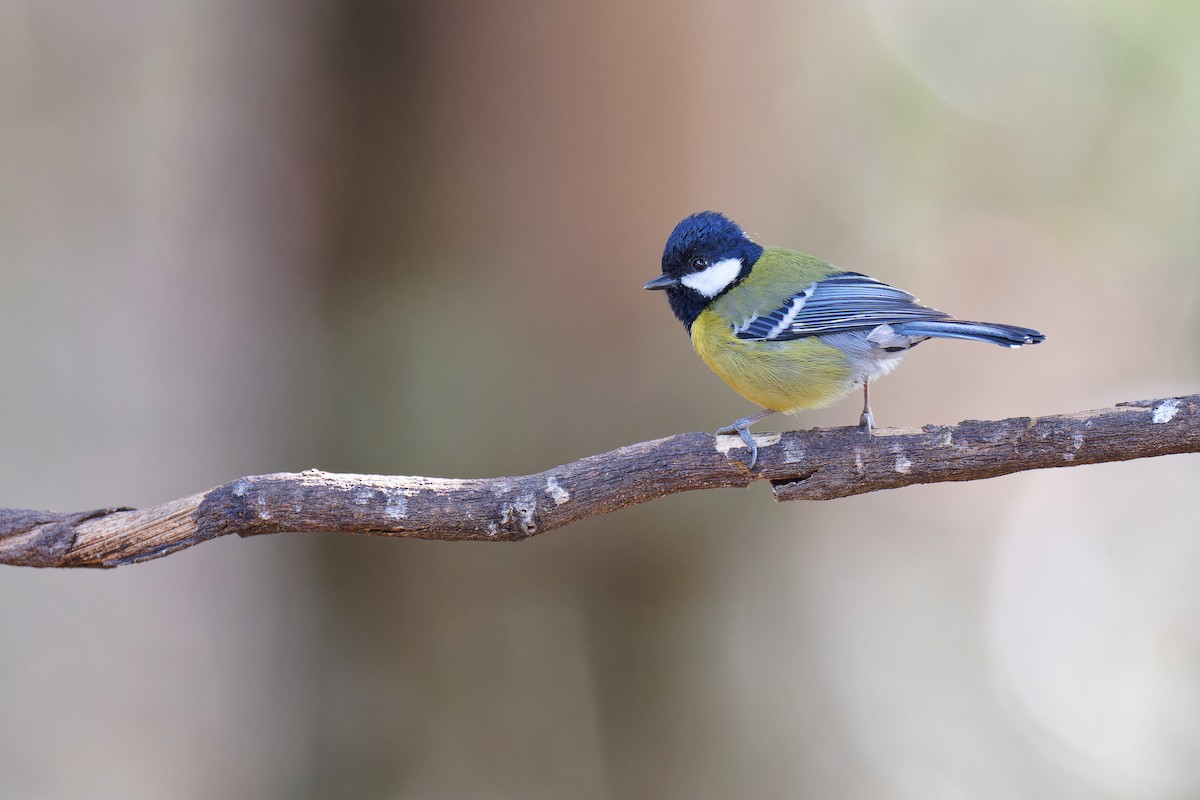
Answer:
(867, 420)
(741, 428)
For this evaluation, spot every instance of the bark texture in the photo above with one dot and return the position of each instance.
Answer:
(818, 464)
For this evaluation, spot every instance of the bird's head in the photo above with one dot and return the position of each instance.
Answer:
(706, 255)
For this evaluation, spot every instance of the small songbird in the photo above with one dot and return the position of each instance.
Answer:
(789, 331)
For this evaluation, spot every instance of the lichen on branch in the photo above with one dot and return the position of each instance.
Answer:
(817, 464)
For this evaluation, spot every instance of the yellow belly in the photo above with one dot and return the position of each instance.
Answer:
(782, 376)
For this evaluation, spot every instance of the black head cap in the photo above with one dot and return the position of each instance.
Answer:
(706, 255)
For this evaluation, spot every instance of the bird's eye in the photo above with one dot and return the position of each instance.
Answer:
(699, 264)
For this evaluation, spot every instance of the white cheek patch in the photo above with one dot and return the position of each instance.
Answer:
(715, 279)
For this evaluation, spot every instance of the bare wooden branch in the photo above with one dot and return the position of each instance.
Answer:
(818, 464)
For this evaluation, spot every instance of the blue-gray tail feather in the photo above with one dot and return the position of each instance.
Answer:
(1003, 335)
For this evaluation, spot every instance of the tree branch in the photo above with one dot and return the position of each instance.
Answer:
(818, 464)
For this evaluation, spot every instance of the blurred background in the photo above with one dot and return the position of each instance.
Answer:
(411, 238)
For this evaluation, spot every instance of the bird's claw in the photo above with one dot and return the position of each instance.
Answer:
(866, 421)
(744, 432)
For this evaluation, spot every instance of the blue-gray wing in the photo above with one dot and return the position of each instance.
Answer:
(846, 301)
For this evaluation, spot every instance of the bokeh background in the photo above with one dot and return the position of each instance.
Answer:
(410, 238)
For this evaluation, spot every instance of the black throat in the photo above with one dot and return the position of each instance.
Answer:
(687, 304)
(698, 242)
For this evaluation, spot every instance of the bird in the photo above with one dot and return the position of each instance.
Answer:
(791, 332)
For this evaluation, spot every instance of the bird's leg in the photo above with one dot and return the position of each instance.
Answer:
(867, 420)
(742, 429)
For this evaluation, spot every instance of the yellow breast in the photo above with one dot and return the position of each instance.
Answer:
(782, 376)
